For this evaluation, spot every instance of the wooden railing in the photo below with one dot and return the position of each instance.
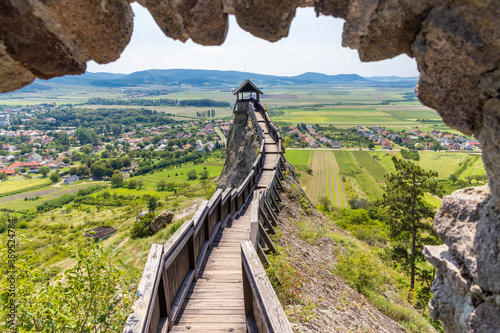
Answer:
(171, 268)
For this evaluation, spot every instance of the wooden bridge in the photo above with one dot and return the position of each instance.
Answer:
(209, 277)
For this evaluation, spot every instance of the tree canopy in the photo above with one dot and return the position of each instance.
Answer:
(409, 215)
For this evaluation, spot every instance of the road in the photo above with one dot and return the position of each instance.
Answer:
(221, 135)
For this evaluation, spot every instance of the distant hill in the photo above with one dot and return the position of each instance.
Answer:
(216, 78)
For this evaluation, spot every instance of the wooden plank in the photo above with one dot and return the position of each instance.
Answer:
(199, 216)
(211, 319)
(176, 306)
(214, 200)
(139, 320)
(211, 327)
(163, 325)
(251, 325)
(269, 305)
(201, 257)
(171, 255)
(214, 233)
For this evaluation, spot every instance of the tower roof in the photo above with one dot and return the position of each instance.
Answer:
(248, 86)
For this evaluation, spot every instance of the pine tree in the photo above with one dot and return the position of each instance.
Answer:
(409, 214)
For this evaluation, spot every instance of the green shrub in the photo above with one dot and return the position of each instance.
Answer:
(361, 270)
(141, 229)
(22, 225)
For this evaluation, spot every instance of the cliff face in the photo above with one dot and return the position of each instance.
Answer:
(467, 287)
(241, 151)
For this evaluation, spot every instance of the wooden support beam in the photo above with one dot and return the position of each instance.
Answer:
(278, 196)
(278, 181)
(267, 240)
(251, 325)
(262, 256)
(273, 217)
(267, 223)
(273, 201)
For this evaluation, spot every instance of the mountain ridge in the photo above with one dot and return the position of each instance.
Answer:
(218, 78)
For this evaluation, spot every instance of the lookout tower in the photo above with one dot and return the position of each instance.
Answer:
(250, 91)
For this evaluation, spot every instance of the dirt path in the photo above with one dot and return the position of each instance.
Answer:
(339, 187)
(312, 189)
(329, 174)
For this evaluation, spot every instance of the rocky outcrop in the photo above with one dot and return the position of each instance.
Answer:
(161, 220)
(242, 149)
(467, 286)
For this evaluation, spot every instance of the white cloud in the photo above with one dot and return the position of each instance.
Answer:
(313, 45)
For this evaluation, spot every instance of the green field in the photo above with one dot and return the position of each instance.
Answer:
(299, 157)
(371, 164)
(363, 172)
(349, 166)
(444, 163)
(20, 184)
(337, 116)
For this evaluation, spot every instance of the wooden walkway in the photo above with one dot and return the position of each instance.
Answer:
(215, 301)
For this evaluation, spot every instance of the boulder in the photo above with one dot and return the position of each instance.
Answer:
(467, 289)
(160, 221)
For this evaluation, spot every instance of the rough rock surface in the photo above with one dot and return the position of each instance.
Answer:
(203, 21)
(241, 151)
(467, 288)
(12, 72)
(161, 220)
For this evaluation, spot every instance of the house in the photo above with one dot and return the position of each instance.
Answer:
(100, 233)
(10, 172)
(210, 146)
(313, 145)
(336, 144)
(436, 133)
(4, 120)
(71, 180)
(200, 147)
(386, 144)
(34, 157)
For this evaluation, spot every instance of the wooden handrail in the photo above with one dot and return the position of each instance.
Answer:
(263, 310)
(171, 268)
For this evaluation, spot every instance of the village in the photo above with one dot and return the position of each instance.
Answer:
(24, 149)
(375, 137)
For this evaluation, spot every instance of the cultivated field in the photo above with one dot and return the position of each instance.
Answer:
(325, 181)
(362, 173)
(20, 184)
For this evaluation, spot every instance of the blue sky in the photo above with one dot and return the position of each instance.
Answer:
(313, 45)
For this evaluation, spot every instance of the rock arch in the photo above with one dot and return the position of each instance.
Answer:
(456, 45)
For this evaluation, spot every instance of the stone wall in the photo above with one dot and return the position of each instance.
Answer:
(456, 45)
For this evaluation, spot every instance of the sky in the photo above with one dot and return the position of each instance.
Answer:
(313, 45)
